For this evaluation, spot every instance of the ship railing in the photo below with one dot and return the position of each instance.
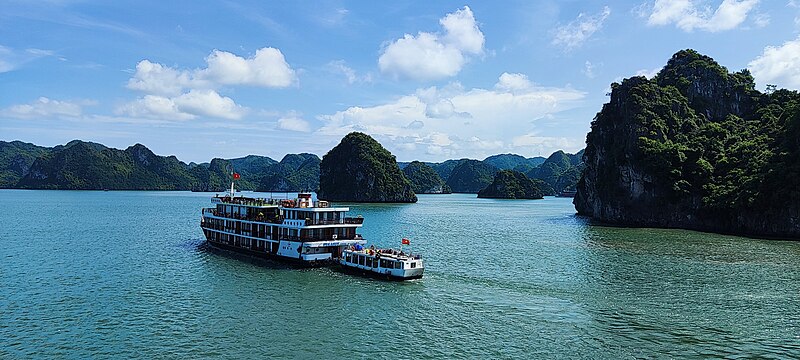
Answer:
(263, 219)
(347, 220)
(250, 201)
(310, 222)
(321, 238)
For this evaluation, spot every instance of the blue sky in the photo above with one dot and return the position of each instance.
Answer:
(431, 80)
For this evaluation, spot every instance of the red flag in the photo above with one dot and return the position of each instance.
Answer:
(406, 242)
(236, 176)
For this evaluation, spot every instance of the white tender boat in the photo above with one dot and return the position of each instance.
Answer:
(389, 264)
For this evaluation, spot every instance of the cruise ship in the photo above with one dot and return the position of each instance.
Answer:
(301, 230)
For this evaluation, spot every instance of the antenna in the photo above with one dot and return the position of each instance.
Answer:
(233, 177)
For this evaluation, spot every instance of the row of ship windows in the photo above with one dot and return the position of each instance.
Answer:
(369, 261)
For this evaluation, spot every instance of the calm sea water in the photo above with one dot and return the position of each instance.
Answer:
(124, 274)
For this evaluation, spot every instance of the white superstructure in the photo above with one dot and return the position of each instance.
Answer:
(298, 229)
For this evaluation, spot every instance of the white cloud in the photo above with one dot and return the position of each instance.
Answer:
(43, 108)
(761, 20)
(154, 106)
(181, 94)
(462, 32)
(574, 34)
(293, 122)
(779, 65)
(5, 65)
(533, 140)
(184, 107)
(588, 69)
(429, 56)
(452, 120)
(336, 17)
(153, 78)
(339, 66)
(689, 15)
(11, 59)
(209, 103)
(267, 68)
(513, 82)
(646, 73)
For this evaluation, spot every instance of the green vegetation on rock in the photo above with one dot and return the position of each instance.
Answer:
(360, 169)
(513, 161)
(85, 166)
(695, 147)
(90, 166)
(424, 180)
(560, 171)
(509, 184)
(16, 158)
(445, 168)
(470, 176)
(294, 172)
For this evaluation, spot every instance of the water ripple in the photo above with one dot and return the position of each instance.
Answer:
(132, 277)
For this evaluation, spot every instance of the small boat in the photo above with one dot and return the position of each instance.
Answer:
(389, 264)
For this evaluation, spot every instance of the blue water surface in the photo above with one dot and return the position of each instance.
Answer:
(92, 274)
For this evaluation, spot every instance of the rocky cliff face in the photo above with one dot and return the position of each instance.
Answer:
(696, 147)
(359, 169)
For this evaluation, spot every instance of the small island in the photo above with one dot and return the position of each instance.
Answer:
(509, 184)
(360, 169)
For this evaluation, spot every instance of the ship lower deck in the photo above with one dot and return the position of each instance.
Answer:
(268, 256)
(312, 252)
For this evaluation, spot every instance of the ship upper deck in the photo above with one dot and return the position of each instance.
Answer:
(285, 204)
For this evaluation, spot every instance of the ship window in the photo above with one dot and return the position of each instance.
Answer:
(398, 265)
(361, 260)
(413, 265)
(369, 262)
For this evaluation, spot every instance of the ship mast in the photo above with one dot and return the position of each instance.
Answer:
(233, 177)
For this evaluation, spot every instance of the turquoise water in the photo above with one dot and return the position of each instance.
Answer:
(124, 274)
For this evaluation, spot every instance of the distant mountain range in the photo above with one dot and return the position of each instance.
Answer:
(560, 171)
(82, 165)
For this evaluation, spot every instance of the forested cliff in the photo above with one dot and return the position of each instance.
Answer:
(695, 147)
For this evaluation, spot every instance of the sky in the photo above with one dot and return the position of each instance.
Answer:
(430, 80)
